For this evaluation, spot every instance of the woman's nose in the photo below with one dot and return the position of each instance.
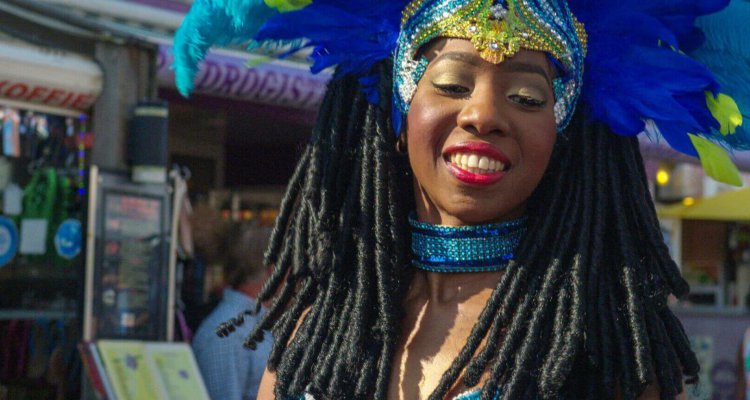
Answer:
(483, 113)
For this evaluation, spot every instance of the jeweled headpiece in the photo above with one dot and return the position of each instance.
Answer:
(498, 30)
(625, 60)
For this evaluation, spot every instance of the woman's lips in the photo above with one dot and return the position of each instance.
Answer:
(476, 163)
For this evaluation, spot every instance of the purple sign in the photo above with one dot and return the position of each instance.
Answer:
(273, 82)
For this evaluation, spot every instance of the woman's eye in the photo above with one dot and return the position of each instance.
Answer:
(452, 89)
(527, 101)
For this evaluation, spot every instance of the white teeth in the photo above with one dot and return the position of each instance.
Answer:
(476, 163)
(484, 163)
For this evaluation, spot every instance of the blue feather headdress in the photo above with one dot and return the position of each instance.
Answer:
(624, 59)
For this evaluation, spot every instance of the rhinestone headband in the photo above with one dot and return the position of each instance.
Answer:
(498, 30)
(480, 248)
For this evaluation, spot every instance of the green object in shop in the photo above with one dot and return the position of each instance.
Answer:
(47, 196)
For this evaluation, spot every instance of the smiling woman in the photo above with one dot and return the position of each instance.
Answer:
(463, 223)
(486, 114)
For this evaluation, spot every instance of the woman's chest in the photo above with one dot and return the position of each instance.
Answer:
(432, 338)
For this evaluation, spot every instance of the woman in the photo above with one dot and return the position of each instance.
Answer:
(480, 238)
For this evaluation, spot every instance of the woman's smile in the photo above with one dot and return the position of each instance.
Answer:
(479, 135)
(476, 163)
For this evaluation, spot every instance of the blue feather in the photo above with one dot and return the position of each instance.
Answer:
(351, 35)
(635, 70)
(214, 22)
(727, 52)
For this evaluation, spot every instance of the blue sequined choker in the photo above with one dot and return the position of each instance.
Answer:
(481, 248)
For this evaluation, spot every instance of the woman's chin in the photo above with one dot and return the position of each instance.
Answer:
(478, 215)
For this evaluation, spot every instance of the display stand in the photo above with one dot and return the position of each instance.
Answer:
(128, 265)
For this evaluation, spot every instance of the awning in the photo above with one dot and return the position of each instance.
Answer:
(47, 80)
(728, 206)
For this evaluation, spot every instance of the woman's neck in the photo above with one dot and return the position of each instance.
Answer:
(441, 288)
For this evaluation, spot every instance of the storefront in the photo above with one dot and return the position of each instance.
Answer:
(710, 240)
(242, 127)
(707, 224)
(62, 105)
(237, 137)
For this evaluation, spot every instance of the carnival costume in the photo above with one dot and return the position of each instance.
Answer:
(624, 61)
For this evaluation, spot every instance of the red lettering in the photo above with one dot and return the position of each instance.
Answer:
(82, 101)
(37, 93)
(53, 96)
(2, 84)
(67, 99)
(17, 90)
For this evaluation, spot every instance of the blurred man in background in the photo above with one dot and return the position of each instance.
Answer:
(232, 372)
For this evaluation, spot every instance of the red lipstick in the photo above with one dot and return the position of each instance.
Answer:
(481, 149)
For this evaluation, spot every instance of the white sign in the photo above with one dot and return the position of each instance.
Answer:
(48, 77)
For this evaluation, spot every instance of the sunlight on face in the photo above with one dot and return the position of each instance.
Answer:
(479, 135)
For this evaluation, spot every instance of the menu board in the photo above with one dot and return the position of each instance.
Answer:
(130, 266)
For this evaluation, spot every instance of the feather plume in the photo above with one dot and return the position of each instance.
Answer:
(352, 35)
(726, 52)
(636, 70)
(214, 22)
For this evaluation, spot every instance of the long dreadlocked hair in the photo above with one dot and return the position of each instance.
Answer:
(580, 312)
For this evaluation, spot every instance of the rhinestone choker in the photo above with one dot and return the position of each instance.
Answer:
(480, 248)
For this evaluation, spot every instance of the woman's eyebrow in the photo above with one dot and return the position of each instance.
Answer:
(507, 65)
(462, 56)
(520, 66)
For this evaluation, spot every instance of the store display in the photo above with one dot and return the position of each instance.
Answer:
(146, 370)
(8, 240)
(129, 263)
(12, 200)
(68, 239)
(11, 140)
(33, 236)
(40, 262)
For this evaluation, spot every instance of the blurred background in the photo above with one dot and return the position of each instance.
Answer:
(120, 196)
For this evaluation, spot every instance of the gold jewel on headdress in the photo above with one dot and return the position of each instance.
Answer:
(496, 32)
(498, 29)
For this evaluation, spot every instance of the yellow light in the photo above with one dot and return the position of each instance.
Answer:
(662, 177)
(688, 201)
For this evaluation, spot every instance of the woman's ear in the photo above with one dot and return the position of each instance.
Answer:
(401, 147)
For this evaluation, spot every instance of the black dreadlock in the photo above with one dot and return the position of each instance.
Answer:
(587, 292)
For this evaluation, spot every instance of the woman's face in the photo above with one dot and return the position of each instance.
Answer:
(479, 135)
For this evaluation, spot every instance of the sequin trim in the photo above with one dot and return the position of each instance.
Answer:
(498, 30)
(481, 248)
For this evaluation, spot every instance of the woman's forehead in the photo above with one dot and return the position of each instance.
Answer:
(463, 50)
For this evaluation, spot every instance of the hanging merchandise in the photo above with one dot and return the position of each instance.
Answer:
(38, 206)
(6, 172)
(45, 206)
(8, 240)
(80, 155)
(12, 200)
(68, 239)
(11, 139)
